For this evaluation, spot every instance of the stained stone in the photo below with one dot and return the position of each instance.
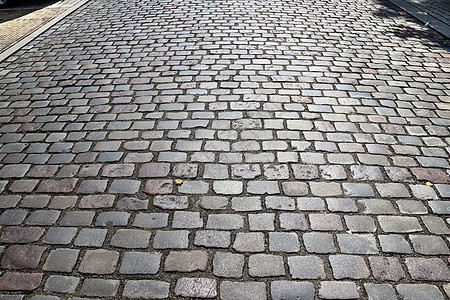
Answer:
(196, 287)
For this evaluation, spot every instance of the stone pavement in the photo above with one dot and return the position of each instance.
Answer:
(226, 149)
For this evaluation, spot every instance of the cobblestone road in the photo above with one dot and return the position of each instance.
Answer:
(226, 149)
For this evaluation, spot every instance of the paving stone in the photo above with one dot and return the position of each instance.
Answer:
(290, 290)
(444, 190)
(377, 206)
(12, 281)
(435, 225)
(293, 221)
(59, 235)
(419, 292)
(245, 290)
(392, 190)
(358, 190)
(185, 170)
(151, 220)
(193, 187)
(325, 189)
(213, 202)
(35, 201)
(423, 192)
(429, 245)
(171, 202)
(63, 202)
(13, 216)
(261, 222)
(316, 242)
(386, 268)
(57, 186)
(152, 170)
(146, 289)
(215, 171)
(249, 242)
(45, 297)
(224, 221)
(178, 239)
(411, 207)
(245, 171)
(399, 224)
(9, 201)
(280, 203)
(112, 219)
(96, 201)
(394, 243)
(90, 237)
(333, 172)
(440, 207)
(140, 263)
(366, 173)
(357, 244)
(212, 238)
(77, 218)
(99, 287)
(61, 260)
(283, 242)
(325, 222)
(61, 284)
(131, 203)
(341, 205)
(21, 235)
(22, 256)
(99, 261)
(265, 265)
(306, 267)
(246, 203)
(130, 238)
(228, 187)
(431, 174)
(196, 287)
(263, 187)
(338, 290)
(228, 265)
(360, 223)
(186, 261)
(43, 217)
(380, 291)
(348, 267)
(429, 269)
(11, 171)
(295, 188)
(125, 186)
(92, 186)
(310, 204)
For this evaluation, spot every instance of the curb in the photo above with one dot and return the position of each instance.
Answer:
(17, 46)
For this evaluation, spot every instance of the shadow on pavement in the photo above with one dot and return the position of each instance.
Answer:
(20, 8)
(407, 26)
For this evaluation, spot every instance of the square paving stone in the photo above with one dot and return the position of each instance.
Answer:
(212, 238)
(99, 261)
(386, 268)
(159, 186)
(99, 287)
(186, 261)
(90, 237)
(62, 284)
(97, 201)
(293, 221)
(306, 267)
(291, 188)
(246, 204)
(140, 263)
(131, 203)
(291, 290)
(178, 239)
(224, 221)
(61, 260)
(377, 206)
(284, 242)
(360, 223)
(146, 289)
(92, 186)
(59, 235)
(130, 238)
(151, 220)
(249, 242)
(196, 287)
(265, 265)
(243, 290)
(348, 267)
(228, 265)
(22, 257)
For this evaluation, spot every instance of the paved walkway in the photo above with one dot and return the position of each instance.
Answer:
(226, 149)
